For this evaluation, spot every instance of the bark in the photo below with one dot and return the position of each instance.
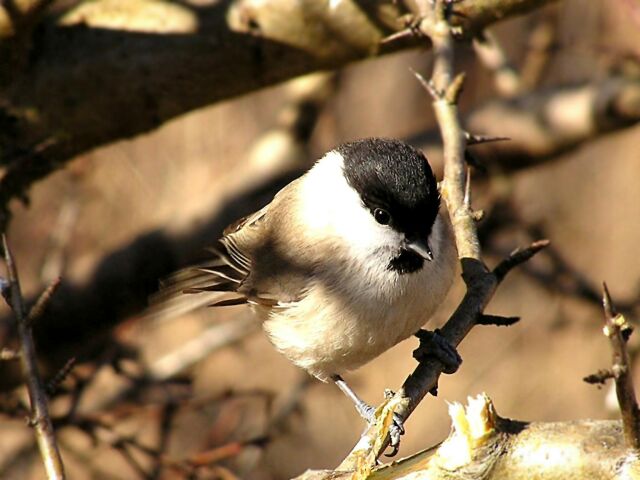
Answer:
(483, 446)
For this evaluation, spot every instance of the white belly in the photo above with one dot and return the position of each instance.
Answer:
(329, 337)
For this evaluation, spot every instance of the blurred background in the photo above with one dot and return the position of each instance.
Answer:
(203, 394)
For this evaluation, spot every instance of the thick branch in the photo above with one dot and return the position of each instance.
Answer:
(484, 446)
(156, 60)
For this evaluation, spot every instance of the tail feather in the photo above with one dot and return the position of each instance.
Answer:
(229, 302)
(213, 287)
(208, 284)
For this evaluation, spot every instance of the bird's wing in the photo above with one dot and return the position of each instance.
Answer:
(231, 264)
(232, 276)
(225, 273)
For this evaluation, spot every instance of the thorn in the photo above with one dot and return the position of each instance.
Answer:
(427, 85)
(599, 378)
(43, 301)
(609, 309)
(478, 139)
(59, 377)
(455, 89)
(467, 189)
(518, 257)
(411, 31)
(401, 35)
(497, 320)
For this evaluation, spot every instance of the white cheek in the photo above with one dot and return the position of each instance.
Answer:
(332, 207)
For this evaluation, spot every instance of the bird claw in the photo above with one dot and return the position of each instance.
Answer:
(396, 429)
(434, 345)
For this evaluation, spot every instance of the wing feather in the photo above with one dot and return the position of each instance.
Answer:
(229, 271)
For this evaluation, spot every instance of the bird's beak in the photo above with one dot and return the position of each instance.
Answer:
(421, 247)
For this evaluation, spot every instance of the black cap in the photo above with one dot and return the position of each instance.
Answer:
(395, 177)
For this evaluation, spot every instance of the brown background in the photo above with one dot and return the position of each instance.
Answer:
(178, 178)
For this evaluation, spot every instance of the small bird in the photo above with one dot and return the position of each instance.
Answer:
(345, 262)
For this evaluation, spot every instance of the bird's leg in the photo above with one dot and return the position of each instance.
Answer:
(367, 412)
(434, 345)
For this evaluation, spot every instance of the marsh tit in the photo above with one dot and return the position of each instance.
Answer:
(345, 262)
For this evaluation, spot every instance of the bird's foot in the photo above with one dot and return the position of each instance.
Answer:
(396, 429)
(368, 412)
(434, 345)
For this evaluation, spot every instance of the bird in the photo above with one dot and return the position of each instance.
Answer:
(345, 262)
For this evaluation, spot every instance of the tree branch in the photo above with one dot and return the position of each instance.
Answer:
(539, 127)
(482, 445)
(618, 330)
(158, 60)
(39, 419)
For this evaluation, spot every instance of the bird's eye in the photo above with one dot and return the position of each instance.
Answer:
(381, 216)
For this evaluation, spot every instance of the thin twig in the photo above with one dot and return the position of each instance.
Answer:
(40, 419)
(54, 384)
(200, 347)
(507, 79)
(617, 330)
(518, 257)
(540, 50)
(43, 300)
(7, 354)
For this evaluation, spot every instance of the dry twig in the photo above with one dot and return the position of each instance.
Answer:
(507, 79)
(40, 419)
(618, 330)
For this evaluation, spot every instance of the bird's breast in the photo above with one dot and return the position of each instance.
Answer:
(332, 329)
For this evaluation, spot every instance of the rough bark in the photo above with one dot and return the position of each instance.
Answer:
(483, 446)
